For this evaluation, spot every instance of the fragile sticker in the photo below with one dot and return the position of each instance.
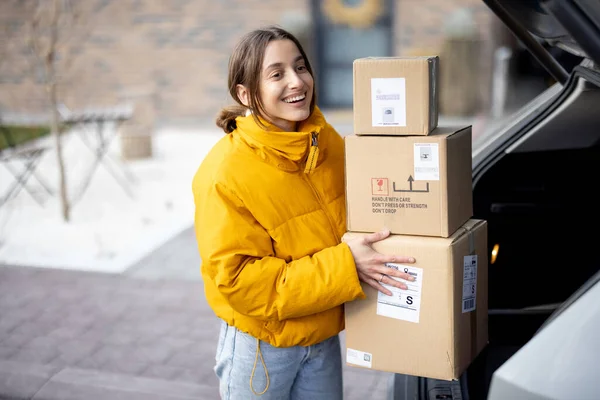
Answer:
(402, 304)
(426, 162)
(379, 186)
(358, 357)
(469, 297)
(388, 101)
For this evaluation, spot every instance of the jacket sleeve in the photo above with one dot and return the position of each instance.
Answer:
(237, 255)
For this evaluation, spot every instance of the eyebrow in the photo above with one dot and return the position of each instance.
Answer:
(276, 65)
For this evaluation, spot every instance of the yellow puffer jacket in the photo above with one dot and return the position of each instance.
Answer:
(270, 213)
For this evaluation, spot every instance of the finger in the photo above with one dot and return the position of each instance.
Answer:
(384, 259)
(380, 287)
(395, 273)
(363, 277)
(377, 236)
(392, 282)
(373, 283)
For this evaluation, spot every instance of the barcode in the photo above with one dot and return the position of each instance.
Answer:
(468, 304)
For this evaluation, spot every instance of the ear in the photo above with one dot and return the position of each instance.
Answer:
(243, 94)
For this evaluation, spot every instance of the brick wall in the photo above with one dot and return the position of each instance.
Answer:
(177, 50)
(174, 51)
(420, 23)
(421, 29)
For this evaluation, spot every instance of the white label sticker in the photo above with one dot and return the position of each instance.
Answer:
(427, 162)
(469, 296)
(403, 304)
(357, 357)
(388, 101)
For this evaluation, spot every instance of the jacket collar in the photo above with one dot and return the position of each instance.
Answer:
(286, 150)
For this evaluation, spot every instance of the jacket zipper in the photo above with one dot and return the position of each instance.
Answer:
(311, 163)
(313, 154)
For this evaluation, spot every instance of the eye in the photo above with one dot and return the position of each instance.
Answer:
(301, 67)
(276, 75)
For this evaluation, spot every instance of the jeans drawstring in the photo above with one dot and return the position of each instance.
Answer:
(259, 353)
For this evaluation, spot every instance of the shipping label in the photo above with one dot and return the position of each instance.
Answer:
(403, 304)
(469, 296)
(388, 101)
(358, 357)
(426, 162)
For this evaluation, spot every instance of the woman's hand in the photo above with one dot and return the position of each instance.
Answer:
(370, 264)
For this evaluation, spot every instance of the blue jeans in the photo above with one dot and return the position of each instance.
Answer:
(297, 373)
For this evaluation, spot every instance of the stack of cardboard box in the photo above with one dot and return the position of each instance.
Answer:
(408, 175)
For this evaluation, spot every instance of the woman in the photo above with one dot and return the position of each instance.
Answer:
(270, 213)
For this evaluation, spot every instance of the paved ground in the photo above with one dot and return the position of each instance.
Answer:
(179, 259)
(147, 334)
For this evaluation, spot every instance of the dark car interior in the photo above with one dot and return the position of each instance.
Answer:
(534, 181)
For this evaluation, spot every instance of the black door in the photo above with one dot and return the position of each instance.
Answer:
(338, 44)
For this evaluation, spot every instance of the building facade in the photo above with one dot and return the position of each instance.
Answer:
(174, 54)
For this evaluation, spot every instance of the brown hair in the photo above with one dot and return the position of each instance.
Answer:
(245, 65)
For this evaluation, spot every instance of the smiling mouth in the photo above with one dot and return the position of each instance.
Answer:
(295, 99)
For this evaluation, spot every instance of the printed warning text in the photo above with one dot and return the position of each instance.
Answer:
(390, 205)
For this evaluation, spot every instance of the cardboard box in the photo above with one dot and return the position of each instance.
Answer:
(437, 327)
(412, 185)
(395, 95)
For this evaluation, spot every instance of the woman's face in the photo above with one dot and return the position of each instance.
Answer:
(286, 86)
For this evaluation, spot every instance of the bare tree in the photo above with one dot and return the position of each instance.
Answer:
(52, 27)
(8, 35)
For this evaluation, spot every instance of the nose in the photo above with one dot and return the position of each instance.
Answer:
(294, 80)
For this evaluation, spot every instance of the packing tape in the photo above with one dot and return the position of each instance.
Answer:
(471, 243)
(473, 317)
(474, 338)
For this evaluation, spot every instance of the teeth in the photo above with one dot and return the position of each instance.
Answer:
(293, 99)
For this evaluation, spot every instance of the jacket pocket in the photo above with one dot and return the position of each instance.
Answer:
(274, 326)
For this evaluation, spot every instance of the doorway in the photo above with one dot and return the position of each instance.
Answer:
(338, 45)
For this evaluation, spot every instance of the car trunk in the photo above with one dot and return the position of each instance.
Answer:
(535, 185)
(534, 181)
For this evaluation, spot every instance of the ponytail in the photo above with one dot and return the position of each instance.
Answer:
(226, 118)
